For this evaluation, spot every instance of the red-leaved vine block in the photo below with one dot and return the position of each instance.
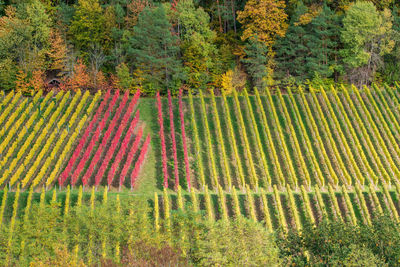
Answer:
(124, 146)
(95, 138)
(162, 137)
(125, 142)
(64, 175)
(114, 144)
(105, 141)
(139, 162)
(185, 153)
(130, 157)
(172, 128)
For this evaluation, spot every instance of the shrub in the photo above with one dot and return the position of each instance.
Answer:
(239, 243)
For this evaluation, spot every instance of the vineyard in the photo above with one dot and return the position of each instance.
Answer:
(285, 159)
(63, 138)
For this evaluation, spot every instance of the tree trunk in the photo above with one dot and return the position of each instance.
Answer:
(233, 14)
(219, 17)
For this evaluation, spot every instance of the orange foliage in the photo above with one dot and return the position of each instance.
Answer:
(133, 10)
(79, 79)
(58, 51)
(29, 85)
(36, 82)
(100, 81)
(21, 81)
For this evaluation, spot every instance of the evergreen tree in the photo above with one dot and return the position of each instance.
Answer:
(308, 49)
(153, 50)
(256, 61)
(322, 32)
(291, 50)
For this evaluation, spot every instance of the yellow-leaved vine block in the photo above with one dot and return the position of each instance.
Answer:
(233, 142)
(221, 142)
(198, 153)
(253, 174)
(282, 144)
(213, 173)
(265, 168)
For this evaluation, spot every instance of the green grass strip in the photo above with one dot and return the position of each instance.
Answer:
(167, 220)
(335, 204)
(3, 205)
(349, 205)
(267, 216)
(12, 225)
(375, 200)
(321, 203)
(390, 202)
(209, 206)
(307, 205)
(236, 205)
(222, 204)
(250, 204)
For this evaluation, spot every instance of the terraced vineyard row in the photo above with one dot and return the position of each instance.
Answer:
(336, 137)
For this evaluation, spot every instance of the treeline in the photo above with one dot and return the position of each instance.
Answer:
(198, 44)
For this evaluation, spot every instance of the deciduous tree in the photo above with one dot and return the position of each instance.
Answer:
(367, 36)
(264, 19)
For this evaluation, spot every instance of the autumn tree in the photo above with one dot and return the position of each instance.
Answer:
(196, 42)
(265, 19)
(87, 26)
(24, 41)
(57, 52)
(79, 78)
(367, 36)
(133, 9)
(29, 85)
(124, 79)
